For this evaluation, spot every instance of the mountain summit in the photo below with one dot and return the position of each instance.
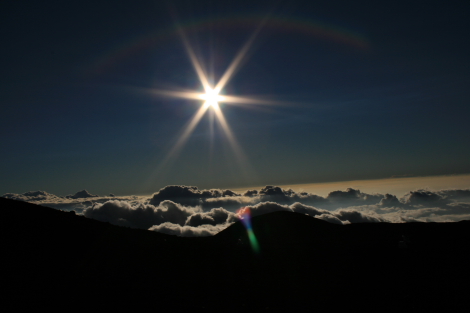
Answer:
(58, 259)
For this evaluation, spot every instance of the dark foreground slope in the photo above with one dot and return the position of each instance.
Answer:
(61, 261)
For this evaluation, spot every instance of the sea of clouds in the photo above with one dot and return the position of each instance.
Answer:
(188, 211)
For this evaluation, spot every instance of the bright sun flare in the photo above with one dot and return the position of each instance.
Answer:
(211, 98)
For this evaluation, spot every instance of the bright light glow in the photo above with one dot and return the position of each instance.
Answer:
(212, 98)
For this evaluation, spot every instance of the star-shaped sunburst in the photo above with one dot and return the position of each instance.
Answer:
(211, 98)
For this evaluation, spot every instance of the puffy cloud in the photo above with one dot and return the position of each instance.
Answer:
(275, 191)
(141, 215)
(185, 195)
(214, 217)
(53, 201)
(250, 193)
(390, 201)
(264, 208)
(189, 231)
(352, 197)
(455, 194)
(306, 209)
(354, 216)
(400, 215)
(288, 196)
(448, 218)
(334, 200)
(211, 208)
(340, 216)
(424, 197)
(231, 203)
(433, 212)
(188, 195)
(349, 194)
(32, 196)
(188, 211)
(168, 217)
(331, 219)
(458, 208)
(213, 198)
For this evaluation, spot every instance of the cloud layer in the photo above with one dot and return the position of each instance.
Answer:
(77, 202)
(188, 211)
(168, 217)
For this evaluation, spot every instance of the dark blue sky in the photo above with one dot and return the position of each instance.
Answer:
(374, 89)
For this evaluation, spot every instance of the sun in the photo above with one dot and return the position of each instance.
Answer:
(212, 98)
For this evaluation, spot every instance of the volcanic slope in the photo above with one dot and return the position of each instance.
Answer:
(58, 260)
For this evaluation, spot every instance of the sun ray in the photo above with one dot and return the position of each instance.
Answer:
(177, 94)
(238, 58)
(211, 98)
(211, 134)
(185, 135)
(239, 154)
(194, 61)
(246, 100)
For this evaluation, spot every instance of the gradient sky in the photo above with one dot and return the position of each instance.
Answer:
(369, 90)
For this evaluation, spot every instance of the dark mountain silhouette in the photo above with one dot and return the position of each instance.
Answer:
(81, 194)
(57, 260)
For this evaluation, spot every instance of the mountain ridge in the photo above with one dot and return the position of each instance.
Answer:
(57, 258)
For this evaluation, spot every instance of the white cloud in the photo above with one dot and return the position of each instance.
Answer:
(140, 215)
(189, 231)
(339, 216)
(32, 196)
(67, 203)
(168, 217)
(188, 211)
(213, 217)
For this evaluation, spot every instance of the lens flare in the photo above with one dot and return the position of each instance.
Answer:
(211, 97)
(245, 216)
